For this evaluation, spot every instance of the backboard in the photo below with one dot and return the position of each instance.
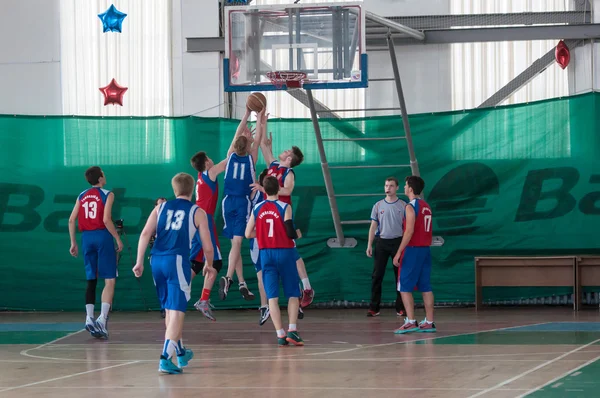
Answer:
(324, 40)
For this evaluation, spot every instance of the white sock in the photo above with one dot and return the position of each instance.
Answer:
(292, 327)
(169, 349)
(89, 309)
(305, 283)
(281, 333)
(104, 311)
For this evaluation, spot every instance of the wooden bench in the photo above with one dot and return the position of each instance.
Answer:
(528, 272)
(588, 274)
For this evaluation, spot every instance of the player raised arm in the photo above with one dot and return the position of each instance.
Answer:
(108, 220)
(261, 128)
(266, 148)
(201, 222)
(408, 233)
(242, 127)
(147, 233)
(74, 250)
(218, 168)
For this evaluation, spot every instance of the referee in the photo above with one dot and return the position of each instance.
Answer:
(387, 217)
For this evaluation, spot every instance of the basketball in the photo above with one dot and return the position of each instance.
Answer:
(256, 102)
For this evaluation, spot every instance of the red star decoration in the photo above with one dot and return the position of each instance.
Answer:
(113, 93)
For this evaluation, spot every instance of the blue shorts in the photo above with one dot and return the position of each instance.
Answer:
(99, 255)
(296, 254)
(415, 270)
(197, 254)
(279, 264)
(236, 210)
(172, 278)
(255, 255)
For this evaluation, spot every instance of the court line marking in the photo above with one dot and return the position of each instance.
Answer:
(66, 377)
(565, 374)
(25, 352)
(66, 347)
(417, 340)
(279, 357)
(309, 388)
(272, 359)
(523, 374)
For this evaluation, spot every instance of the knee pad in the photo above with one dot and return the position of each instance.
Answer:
(90, 292)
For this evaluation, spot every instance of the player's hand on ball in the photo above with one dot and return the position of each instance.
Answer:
(138, 270)
(74, 250)
(369, 251)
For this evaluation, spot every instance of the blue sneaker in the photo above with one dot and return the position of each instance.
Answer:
(90, 326)
(185, 357)
(167, 366)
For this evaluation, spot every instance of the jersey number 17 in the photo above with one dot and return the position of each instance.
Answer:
(427, 222)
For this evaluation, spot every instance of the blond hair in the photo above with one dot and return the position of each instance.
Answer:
(240, 145)
(183, 184)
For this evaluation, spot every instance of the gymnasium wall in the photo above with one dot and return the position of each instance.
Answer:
(30, 74)
(513, 180)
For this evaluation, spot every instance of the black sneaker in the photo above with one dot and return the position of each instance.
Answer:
(246, 293)
(224, 285)
(264, 315)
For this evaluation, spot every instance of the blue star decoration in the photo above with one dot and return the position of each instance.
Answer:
(112, 19)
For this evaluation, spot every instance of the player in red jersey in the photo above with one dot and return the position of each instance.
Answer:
(272, 225)
(414, 257)
(93, 214)
(282, 169)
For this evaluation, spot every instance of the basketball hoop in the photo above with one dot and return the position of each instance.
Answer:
(291, 79)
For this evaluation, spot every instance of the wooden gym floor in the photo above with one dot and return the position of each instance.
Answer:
(508, 352)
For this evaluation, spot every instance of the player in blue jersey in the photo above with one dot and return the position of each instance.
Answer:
(174, 224)
(236, 205)
(207, 190)
(92, 212)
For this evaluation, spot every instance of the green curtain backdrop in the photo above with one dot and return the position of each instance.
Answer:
(508, 181)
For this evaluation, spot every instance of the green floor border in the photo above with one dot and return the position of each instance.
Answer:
(29, 337)
(583, 381)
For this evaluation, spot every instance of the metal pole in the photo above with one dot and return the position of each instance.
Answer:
(326, 174)
(414, 166)
(345, 44)
(291, 38)
(396, 26)
(299, 55)
(353, 48)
